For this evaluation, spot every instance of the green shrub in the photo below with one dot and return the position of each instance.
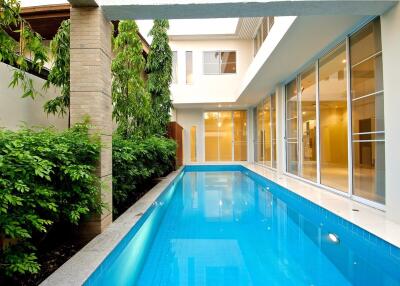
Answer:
(45, 177)
(135, 163)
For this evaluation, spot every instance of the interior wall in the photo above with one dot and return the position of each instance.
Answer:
(16, 111)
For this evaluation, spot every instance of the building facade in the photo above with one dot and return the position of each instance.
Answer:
(311, 97)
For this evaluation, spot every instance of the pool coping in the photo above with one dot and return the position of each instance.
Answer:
(80, 267)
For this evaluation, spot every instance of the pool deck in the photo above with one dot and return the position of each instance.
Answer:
(77, 269)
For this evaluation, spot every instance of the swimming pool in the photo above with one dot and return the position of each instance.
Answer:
(225, 225)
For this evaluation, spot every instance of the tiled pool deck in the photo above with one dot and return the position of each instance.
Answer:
(76, 270)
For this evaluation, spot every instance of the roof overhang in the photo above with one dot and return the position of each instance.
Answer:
(183, 9)
(281, 58)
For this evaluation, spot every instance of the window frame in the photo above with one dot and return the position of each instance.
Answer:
(220, 62)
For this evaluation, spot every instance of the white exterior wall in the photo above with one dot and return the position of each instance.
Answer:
(16, 111)
(209, 88)
(390, 23)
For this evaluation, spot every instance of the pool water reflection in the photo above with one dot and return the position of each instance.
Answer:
(226, 228)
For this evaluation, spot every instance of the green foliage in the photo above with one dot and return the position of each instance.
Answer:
(60, 72)
(136, 162)
(130, 99)
(45, 177)
(159, 67)
(12, 22)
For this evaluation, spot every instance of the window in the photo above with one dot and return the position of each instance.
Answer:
(193, 149)
(368, 130)
(308, 125)
(189, 67)
(291, 127)
(174, 67)
(333, 119)
(335, 135)
(265, 143)
(225, 135)
(219, 62)
(262, 32)
(240, 135)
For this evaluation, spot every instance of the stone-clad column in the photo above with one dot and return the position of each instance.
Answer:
(91, 94)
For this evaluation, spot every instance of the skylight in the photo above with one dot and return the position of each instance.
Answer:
(194, 27)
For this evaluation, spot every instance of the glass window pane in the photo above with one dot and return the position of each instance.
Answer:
(175, 67)
(369, 170)
(225, 135)
(367, 113)
(271, 22)
(267, 132)
(291, 127)
(211, 62)
(260, 134)
(193, 148)
(308, 127)
(333, 119)
(265, 27)
(211, 136)
(189, 67)
(228, 62)
(273, 128)
(366, 77)
(366, 42)
(240, 135)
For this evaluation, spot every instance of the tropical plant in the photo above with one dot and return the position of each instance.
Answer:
(46, 177)
(60, 72)
(11, 22)
(130, 98)
(159, 67)
(137, 162)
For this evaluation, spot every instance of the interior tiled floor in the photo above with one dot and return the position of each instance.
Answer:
(368, 218)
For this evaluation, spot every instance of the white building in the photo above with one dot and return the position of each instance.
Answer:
(312, 97)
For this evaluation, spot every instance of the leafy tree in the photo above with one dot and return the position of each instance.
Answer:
(12, 22)
(159, 67)
(130, 98)
(60, 72)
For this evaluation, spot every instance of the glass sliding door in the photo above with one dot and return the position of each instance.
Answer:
(211, 133)
(265, 142)
(291, 128)
(260, 135)
(273, 128)
(367, 113)
(193, 145)
(225, 135)
(333, 119)
(267, 131)
(225, 127)
(335, 133)
(308, 125)
(240, 135)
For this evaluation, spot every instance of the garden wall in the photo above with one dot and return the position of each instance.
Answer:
(16, 111)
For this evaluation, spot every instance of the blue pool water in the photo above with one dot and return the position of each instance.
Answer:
(225, 225)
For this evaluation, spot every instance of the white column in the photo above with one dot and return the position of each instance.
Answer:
(390, 22)
(280, 129)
